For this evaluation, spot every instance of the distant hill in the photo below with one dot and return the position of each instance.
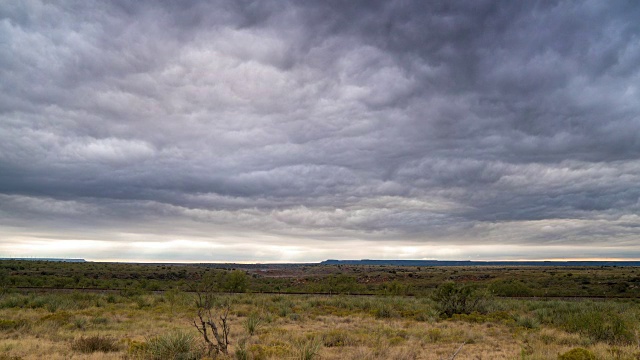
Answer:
(477, 263)
(47, 259)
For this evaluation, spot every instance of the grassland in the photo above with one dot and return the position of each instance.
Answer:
(603, 281)
(403, 319)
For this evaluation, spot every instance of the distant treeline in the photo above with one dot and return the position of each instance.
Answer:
(477, 263)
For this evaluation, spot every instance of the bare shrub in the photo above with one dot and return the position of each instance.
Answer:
(214, 328)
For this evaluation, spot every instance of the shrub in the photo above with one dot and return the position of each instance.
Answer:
(453, 299)
(337, 338)
(176, 345)
(285, 309)
(264, 352)
(577, 354)
(384, 311)
(252, 323)
(4, 281)
(95, 343)
(527, 322)
(173, 297)
(11, 324)
(130, 292)
(307, 349)
(241, 351)
(137, 349)
(395, 288)
(79, 323)
(99, 321)
(607, 322)
(434, 334)
(510, 288)
(59, 318)
(14, 301)
(141, 301)
(341, 284)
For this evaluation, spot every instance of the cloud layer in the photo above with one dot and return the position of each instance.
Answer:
(275, 130)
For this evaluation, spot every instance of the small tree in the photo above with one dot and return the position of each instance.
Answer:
(236, 281)
(453, 299)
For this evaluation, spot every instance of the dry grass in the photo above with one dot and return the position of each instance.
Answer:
(95, 343)
(344, 328)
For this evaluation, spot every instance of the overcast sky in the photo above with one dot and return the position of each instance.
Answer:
(306, 130)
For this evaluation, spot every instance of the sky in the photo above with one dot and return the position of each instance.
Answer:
(298, 131)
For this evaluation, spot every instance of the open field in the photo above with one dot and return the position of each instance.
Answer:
(521, 281)
(138, 323)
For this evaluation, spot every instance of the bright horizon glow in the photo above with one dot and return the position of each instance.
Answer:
(142, 261)
(184, 251)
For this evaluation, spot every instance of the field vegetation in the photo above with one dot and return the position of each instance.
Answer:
(149, 312)
(517, 281)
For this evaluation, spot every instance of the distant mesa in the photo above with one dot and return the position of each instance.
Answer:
(232, 265)
(47, 259)
(477, 263)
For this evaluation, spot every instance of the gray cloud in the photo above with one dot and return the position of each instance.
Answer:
(436, 124)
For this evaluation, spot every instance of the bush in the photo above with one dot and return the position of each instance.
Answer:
(176, 345)
(527, 322)
(510, 288)
(252, 323)
(236, 281)
(608, 322)
(434, 335)
(4, 281)
(395, 288)
(285, 309)
(94, 344)
(14, 301)
(341, 284)
(241, 351)
(384, 311)
(610, 328)
(79, 323)
(453, 299)
(11, 324)
(307, 349)
(99, 321)
(59, 318)
(577, 354)
(338, 338)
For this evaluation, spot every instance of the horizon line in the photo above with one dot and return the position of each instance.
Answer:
(168, 261)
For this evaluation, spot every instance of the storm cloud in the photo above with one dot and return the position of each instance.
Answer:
(299, 131)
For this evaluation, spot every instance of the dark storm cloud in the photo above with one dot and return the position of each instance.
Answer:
(480, 122)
